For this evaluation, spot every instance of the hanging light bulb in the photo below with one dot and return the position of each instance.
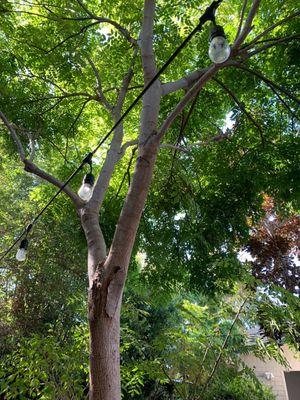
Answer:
(219, 49)
(21, 253)
(86, 189)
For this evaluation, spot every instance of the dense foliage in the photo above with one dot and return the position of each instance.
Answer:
(205, 204)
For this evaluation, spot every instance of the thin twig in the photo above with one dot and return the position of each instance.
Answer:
(274, 42)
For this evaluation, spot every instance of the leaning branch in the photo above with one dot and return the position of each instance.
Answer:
(29, 166)
(34, 169)
(188, 80)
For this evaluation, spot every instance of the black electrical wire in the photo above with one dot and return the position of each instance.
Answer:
(209, 15)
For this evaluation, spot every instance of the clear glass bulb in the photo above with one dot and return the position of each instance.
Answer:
(21, 254)
(219, 50)
(85, 191)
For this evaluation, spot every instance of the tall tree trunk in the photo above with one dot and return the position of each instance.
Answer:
(107, 278)
(104, 349)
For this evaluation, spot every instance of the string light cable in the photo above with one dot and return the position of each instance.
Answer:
(208, 15)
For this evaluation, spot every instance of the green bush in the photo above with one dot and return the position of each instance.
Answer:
(46, 368)
(238, 385)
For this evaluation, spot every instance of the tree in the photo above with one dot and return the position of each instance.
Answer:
(55, 52)
(274, 246)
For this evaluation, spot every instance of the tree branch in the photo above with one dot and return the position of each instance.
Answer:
(147, 52)
(42, 78)
(119, 27)
(32, 168)
(101, 96)
(85, 8)
(61, 97)
(115, 152)
(151, 99)
(128, 144)
(274, 42)
(125, 84)
(182, 83)
(222, 348)
(247, 27)
(268, 82)
(187, 81)
(82, 30)
(241, 19)
(187, 149)
(14, 136)
(188, 96)
(243, 109)
(127, 172)
(270, 28)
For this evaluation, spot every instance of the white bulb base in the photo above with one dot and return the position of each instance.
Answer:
(21, 254)
(85, 192)
(219, 50)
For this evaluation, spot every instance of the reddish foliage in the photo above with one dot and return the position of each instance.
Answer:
(274, 245)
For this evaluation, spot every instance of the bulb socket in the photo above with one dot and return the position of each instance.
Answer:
(89, 179)
(24, 244)
(216, 30)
